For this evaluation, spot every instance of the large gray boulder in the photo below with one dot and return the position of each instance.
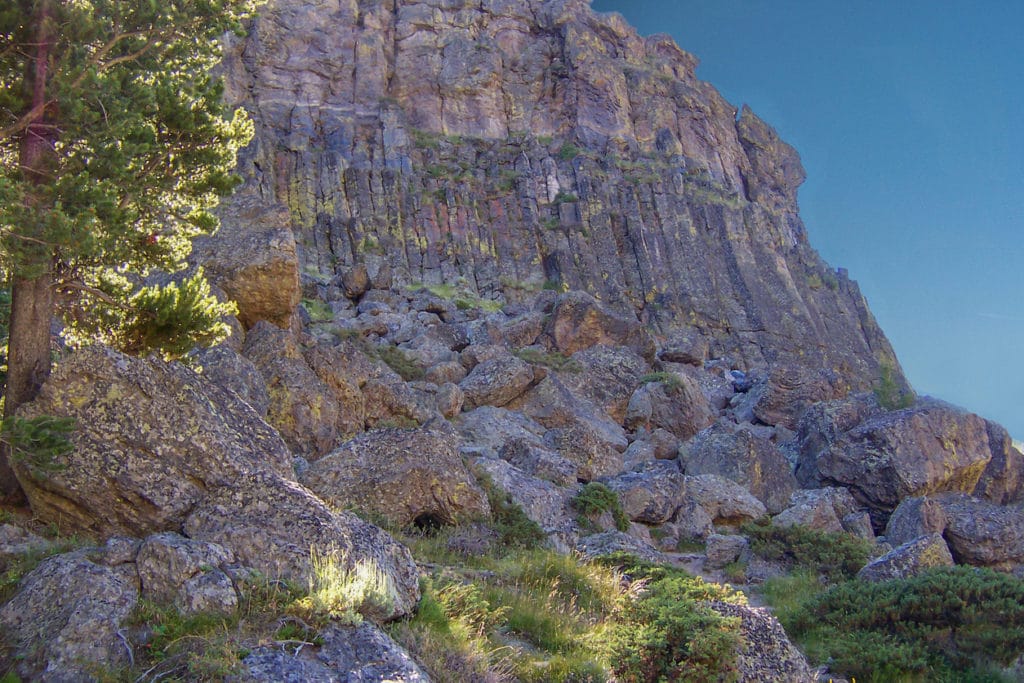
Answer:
(977, 531)
(355, 654)
(891, 455)
(496, 382)
(766, 653)
(606, 376)
(652, 494)
(909, 559)
(737, 454)
(187, 573)
(277, 526)
(252, 257)
(725, 502)
(151, 439)
(579, 321)
(404, 475)
(62, 626)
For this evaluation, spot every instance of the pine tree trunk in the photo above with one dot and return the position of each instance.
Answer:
(28, 355)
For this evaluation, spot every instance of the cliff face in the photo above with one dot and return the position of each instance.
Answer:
(511, 145)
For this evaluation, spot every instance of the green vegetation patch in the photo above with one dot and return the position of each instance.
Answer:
(595, 499)
(835, 556)
(669, 380)
(951, 623)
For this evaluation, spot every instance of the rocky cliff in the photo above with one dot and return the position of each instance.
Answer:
(508, 146)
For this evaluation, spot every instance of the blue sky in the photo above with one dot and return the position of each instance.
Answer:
(909, 118)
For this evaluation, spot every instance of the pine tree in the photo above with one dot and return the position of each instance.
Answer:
(114, 147)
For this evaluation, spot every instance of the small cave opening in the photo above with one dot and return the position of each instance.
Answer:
(428, 523)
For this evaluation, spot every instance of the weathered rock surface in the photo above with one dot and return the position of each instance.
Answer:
(636, 182)
(359, 654)
(151, 438)
(580, 322)
(909, 559)
(652, 494)
(62, 625)
(891, 455)
(404, 475)
(542, 501)
(737, 454)
(252, 257)
(185, 572)
(274, 525)
(723, 549)
(678, 406)
(819, 509)
(496, 382)
(767, 654)
(611, 542)
(977, 531)
(724, 501)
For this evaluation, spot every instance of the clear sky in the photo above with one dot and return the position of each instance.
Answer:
(909, 118)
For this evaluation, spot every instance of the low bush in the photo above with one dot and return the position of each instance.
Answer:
(836, 556)
(595, 499)
(936, 626)
(670, 633)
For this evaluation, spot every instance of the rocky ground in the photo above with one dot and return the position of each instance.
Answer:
(405, 404)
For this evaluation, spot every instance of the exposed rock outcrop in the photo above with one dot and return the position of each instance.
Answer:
(509, 146)
(62, 625)
(276, 526)
(885, 456)
(150, 440)
(405, 476)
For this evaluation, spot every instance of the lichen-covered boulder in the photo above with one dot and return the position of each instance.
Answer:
(404, 475)
(913, 518)
(151, 438)
(766, 653)
(726, 502)
(819, 509)
(983, 534)
(723, 549)
(1002, 482)
(891, 455)
(226, 367)
(347, 653)
(652, 494)
(543, 502)
(487, 429)
(303, 409)
(276, 526)
(677, 405)
(540, 462)
(593, 457)
(579, 321)
(606, 376)
(737, 454)
(909, 559)
(496, 382)
(187, 573)
(62, 625)
(252, 258)
(554, 405)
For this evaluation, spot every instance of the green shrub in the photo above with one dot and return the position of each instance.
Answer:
(319, 311)
(514, 528)
(564, 197)
(595, 499)
(890, 394)
(568, 152)
(669, 380)
(669, 633)
(939, 624)
(834, 555)
(39, 442)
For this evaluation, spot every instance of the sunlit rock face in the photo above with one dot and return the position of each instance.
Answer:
(508, 146)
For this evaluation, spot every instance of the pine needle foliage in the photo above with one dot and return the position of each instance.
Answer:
(139, 149)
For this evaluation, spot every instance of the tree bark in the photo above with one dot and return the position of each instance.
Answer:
(32, 302)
